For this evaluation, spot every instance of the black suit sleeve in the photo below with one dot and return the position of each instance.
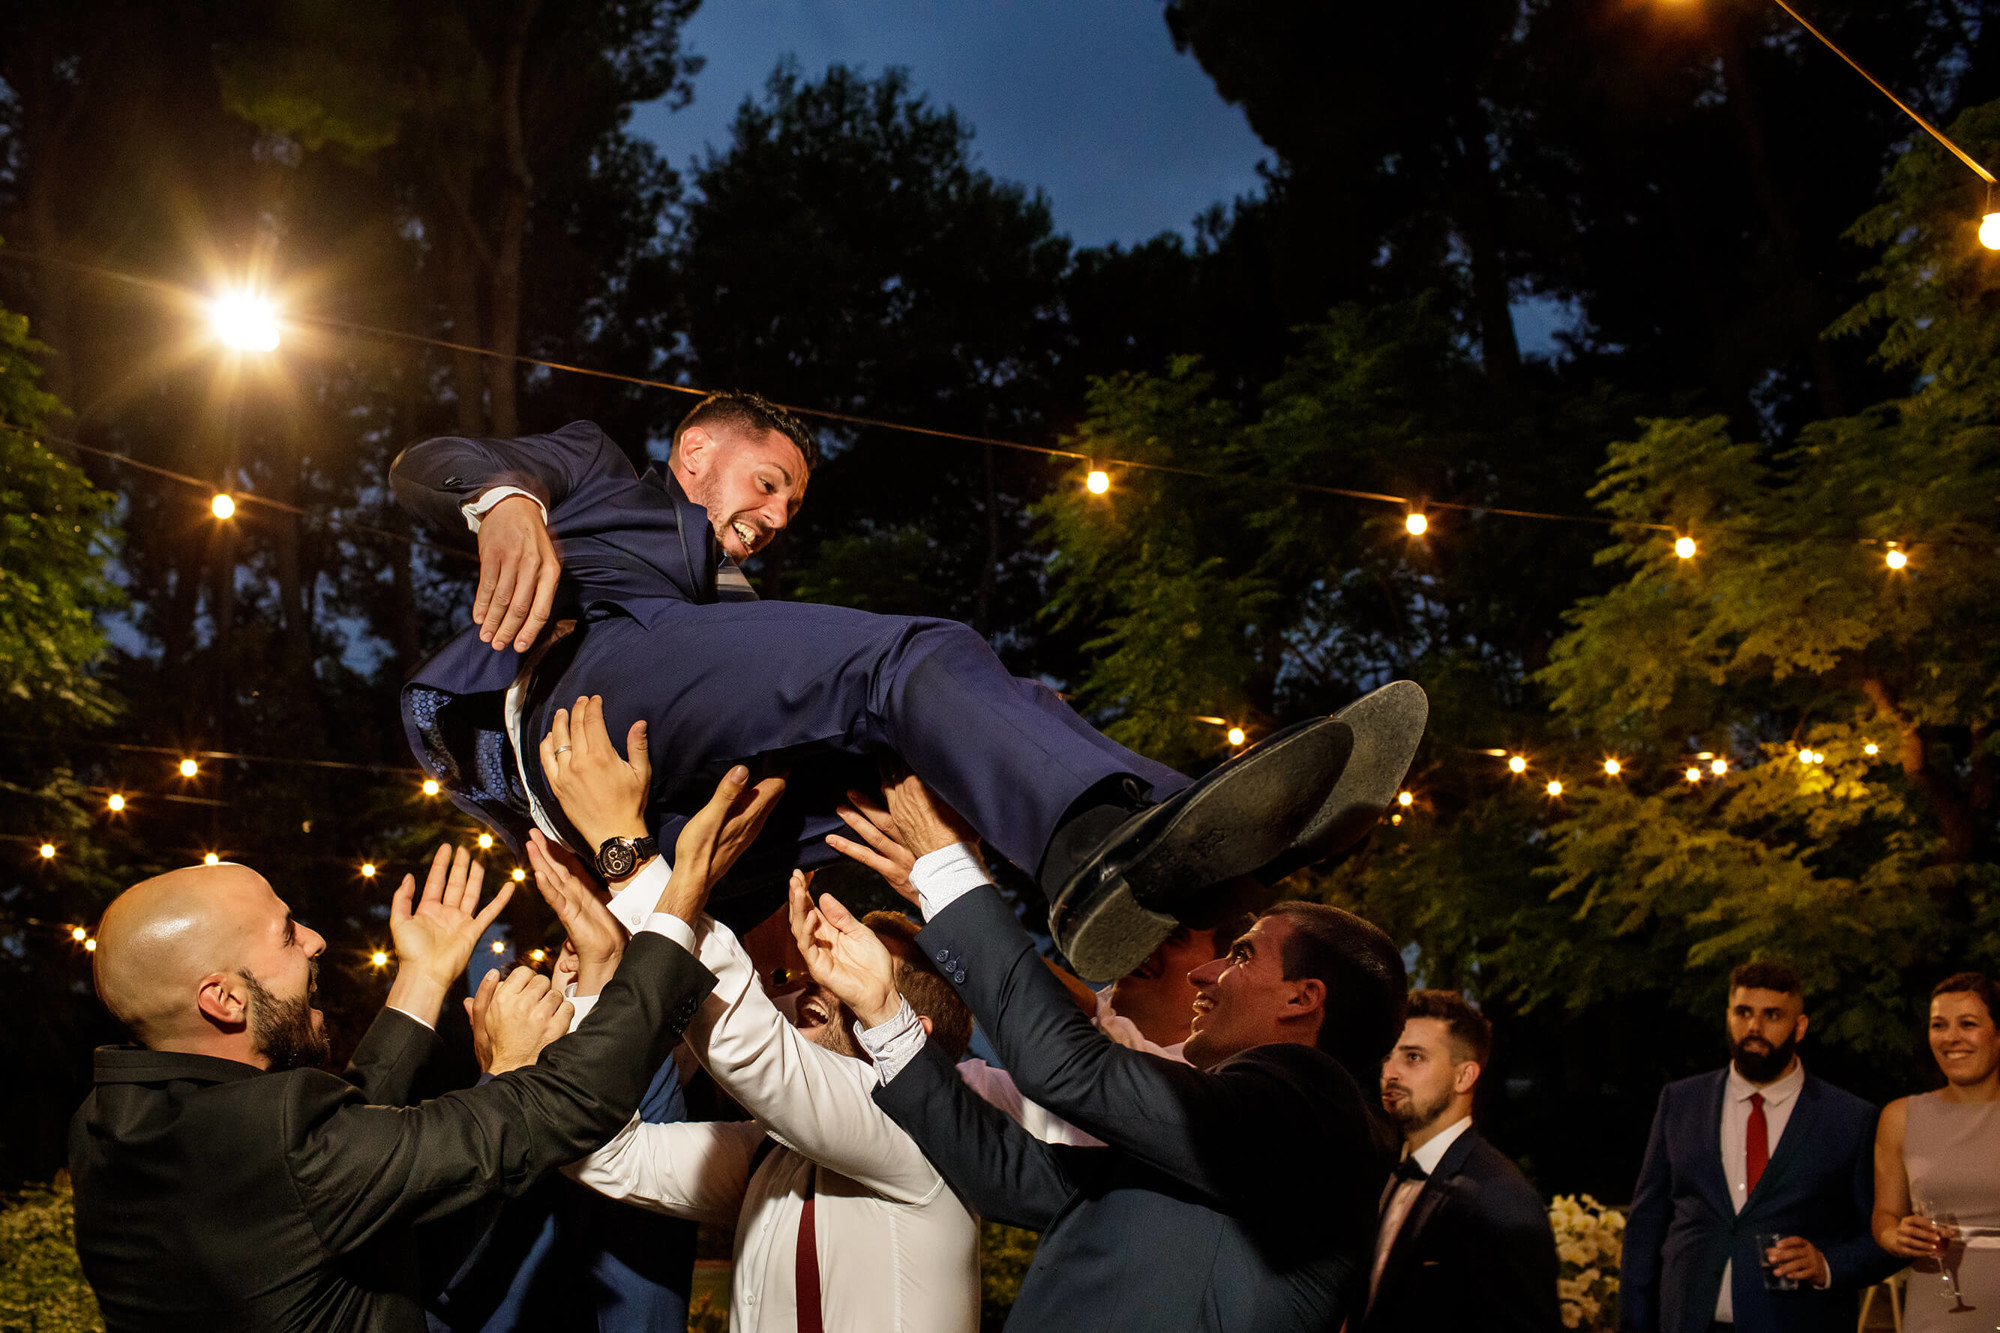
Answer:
(1646, 1231)
(561, 469)
(1000, 1170)
(1213, 1131)
(360, 1169)
(391, 1055)
(1514, 1257)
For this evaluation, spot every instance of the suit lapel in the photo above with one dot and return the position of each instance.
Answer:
(1709, 1172)
(1791, 1146)
(1430, 1199)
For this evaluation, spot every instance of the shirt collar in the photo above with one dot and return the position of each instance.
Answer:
(1739, 1088)
(1433, 1152)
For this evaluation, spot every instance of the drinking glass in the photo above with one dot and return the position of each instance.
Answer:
(1766, 1242)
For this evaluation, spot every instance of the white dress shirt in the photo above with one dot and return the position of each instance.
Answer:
(1403, 1197)
(1779, 1099)
(897, 1250)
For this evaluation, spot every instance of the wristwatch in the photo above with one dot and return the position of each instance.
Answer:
(618, 857)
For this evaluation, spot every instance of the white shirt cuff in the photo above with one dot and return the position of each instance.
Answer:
(660, 923)
(944, 876)
(412, 1017)
(474, 510)
(635, 902)
(894, 1043)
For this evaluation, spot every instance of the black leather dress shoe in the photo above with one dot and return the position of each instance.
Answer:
(1387, 725)
(1117, 906)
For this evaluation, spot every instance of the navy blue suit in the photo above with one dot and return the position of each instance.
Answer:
(565, 1259)
(818, 690)
(1820, 1184)
(1237, 1198)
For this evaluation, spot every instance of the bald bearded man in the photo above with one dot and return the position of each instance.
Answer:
(225, 1182)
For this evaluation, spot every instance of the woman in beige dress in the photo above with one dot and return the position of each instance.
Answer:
(1937, 1168)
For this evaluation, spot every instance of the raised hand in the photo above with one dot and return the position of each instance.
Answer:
(603, 794)
(719, 833)
(520, 1016)
(518, 569)
(844, 955)
(924, 823)
(435, 935)
(880, 848)
(594, 934)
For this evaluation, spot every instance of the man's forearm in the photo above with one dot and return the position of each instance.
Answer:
(417, 995)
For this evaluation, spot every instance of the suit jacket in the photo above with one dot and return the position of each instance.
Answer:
(1241, 1197)
(1475, 1251)
(631, 543)
(1682, 1229)
(212, 1195)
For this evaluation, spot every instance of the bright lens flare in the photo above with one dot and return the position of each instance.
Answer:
(1896, 559)
(537, 955)
(1417, 524)
(367, 870)
(222, 506)
(498, 947)
(1405, 800)
(48, 850)
(1684, 548)
(430, 786)
(379, 958)
(210, 859)
(244, 322)
(114, 803)
(90, 946)
(1612, 767)
(1236, 736)
(1989, 231)
(1555, 788)
(1871, 748)
(1098, 482)
(1517, 765)
(519, 874)
(1719, 767)
(79, 934)
(1805, 756)
(485, 841)
(1692, 775)
(189, 768)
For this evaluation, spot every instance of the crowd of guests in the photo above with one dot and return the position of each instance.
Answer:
(1260, 1128)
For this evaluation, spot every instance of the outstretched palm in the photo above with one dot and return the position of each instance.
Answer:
(844, 955)
(436, 934)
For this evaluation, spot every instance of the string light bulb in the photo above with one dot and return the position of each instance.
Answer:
(485, 841)
(189, 768)
(378, 959)
(1895, 559)
(1416, 523)
(114, 802)
(499, 947)
(1805, 756)
(430, 786)
(1989, 231)
(79, 934)
(1871, 748)
(1555, 787)
(90, 946)
(1517, 764)
(537, 955)
(519, 874)
(367, 870)
(1236, 736)
(1612, 768)
(48, 851)
(1718, 767)
(244, 322)
(1692, 775)
(1684, 547)
(1405, 799)
(222, 506)
(210, 859)
(1098, 482)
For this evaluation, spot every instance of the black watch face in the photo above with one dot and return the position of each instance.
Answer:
(616, 858)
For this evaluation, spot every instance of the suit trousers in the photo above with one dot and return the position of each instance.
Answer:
(822, 693)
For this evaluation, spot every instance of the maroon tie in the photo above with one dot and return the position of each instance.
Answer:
(1756, 1144)
(806, 1267)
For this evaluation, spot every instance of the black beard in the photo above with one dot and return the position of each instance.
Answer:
(1762, 1067)
(283, 1029)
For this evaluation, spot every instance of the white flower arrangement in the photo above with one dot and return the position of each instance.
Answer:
(1589, 1239)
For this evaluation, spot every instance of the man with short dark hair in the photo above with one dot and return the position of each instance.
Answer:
(1761, 1148)
(1465, 1240)
(646, 604)
(1235, 1191)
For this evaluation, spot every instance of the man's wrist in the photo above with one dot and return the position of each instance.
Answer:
(419, 996)
(880, 1010)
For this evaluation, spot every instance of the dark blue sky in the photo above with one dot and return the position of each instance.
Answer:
(1086, 99)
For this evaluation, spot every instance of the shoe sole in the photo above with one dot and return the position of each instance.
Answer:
(1240, 823)
(1388, 724)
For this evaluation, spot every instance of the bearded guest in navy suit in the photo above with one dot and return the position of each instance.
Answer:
(646, 606)
(1759, 1148)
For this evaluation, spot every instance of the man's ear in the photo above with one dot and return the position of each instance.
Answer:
(925, 1019)
(1308, 999)
(223, 1000)
(692, 450)
(1799, 1030)
(1465, 1075)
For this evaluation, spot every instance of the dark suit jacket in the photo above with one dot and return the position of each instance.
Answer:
(1475, 1251)
(1681, 1231)
(630, 541)
(212, 1195)
(1238, 1198)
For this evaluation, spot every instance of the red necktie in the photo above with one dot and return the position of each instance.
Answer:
(806, 1270)
(1756, 1144)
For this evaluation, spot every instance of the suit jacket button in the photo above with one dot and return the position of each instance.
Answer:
(943, 954)
(958, 977)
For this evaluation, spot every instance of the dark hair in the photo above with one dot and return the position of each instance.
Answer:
(1364, 980)
(1471, 1031)
(1765, 976)
(1973, 983)
(751, 411)
(928, 992)
(1231, 929)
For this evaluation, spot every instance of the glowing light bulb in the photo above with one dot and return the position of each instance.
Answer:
(367, 870)
(90, 946)
(1236, 736)
(498, 947)
(1684, 548)
(485, 841)
(1896, 559)
(48, 851)
(114, 803)
(1098, 482)
(244, 322)
(1989, 231)
(189, 768)
(1818, 758)
(1395, 819)
(1517, 764)
(1871, 748)
(519, 874)
(537, 955)
(210, 859)
(430, 786)
(1613, 768)
(1805, 756)
(222, 506)
(1555, 787)
(1405, 800)
(1692, 775)
(379, 958)
(79, 934)
(1417, 524)
(1719, 767)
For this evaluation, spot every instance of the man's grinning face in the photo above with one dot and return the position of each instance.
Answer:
(825, 1021)
(750, 482)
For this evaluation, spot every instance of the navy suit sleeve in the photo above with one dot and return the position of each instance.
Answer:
(564, 469)
(1000, 1170)
(1209, 1130)
(391, 1055)
(362, 1170)
(1646, 1231)
(1858, 1261)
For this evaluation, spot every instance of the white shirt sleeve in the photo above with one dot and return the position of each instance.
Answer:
(640, 898)
(809, 1098)
(474, 510)
(660, 923)
(942, 877)
(412, 1017)
(698, 1170)
(893, 1043)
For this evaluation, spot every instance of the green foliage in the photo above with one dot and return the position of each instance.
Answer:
(42, 1288)
(1004, 1256)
